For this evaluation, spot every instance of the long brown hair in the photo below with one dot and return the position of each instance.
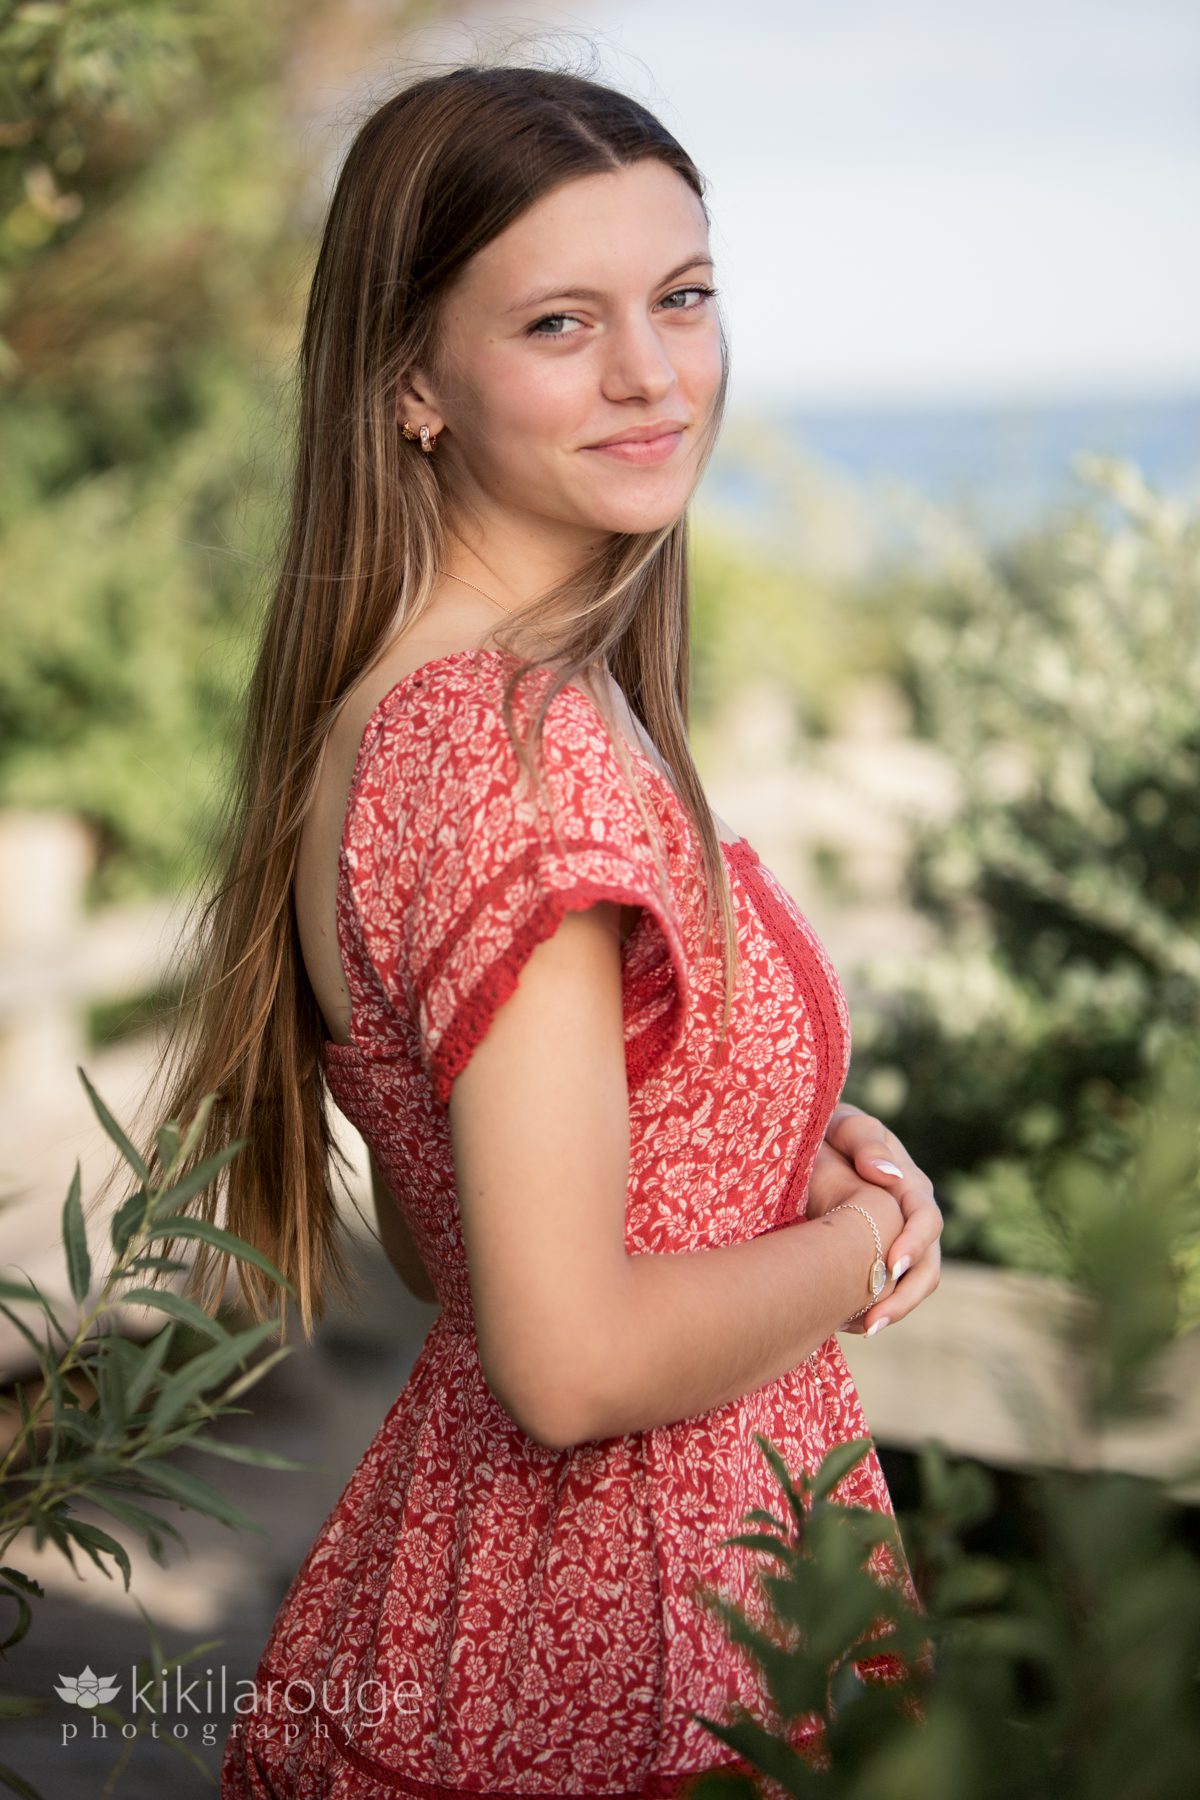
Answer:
(431, 178)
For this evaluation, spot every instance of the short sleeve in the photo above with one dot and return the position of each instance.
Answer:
(457, 870)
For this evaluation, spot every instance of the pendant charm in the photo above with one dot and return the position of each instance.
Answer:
(878, 1277)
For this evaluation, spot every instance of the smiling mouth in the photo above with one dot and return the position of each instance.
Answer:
(640, 450)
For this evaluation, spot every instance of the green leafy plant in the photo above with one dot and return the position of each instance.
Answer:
(828, 1610)
(1058, 675)
(148, 1400)
(1070, 1670)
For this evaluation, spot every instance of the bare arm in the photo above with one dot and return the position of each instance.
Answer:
(700, 1328)
(577, 1338)
(397, 1240)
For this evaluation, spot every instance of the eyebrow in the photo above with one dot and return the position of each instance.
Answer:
(556, 293)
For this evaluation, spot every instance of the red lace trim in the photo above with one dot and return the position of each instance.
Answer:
(813, 984)
(475, 1012)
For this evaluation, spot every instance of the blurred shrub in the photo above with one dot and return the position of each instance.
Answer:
(144, 329)
(1060, 677)
(783, 580)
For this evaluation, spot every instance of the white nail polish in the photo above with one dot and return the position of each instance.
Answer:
(904, 1263)
(877, 1326)
(889, 1168)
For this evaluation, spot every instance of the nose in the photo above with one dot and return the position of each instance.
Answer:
(638, 362)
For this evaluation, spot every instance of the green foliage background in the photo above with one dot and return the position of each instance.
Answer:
(156, 202)
(1059, 675)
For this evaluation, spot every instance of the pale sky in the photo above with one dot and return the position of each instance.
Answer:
(922, 200)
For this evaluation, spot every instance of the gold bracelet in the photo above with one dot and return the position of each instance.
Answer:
(877, 1278)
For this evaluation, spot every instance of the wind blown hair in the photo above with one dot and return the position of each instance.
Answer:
(432, 176)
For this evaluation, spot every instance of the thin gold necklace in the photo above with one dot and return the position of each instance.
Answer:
(478, 590)
(471, 584)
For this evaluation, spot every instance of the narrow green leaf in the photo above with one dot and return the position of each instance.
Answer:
(168, 1141)
(204, 1371)
(38, 1349)
(31, 1293)
(21, 1290)
(971, 1582)
(196, 1129)
(221, 1240)
(837, 1463)
(74, 1231)
(186, 1311)
(17, 1784)
(118, 1362)
(166, 1443)
(149, 1366)
(24, 1619)
(20, 1706)
(149, 1525)
(51, 1522)
(85, 1427)
(756, 1516)
(113, 1130)
(127, 1219)
(724, 1787)
(192, 1491)
(93, 1540)
(191, 1184)
(244, 1453)
(783, 1475)
(18, 1578)
(759, 1540)
(156, 1649)
(167, 1263)
(253, 1375)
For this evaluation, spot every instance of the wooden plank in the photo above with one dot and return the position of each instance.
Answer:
(979, 1366)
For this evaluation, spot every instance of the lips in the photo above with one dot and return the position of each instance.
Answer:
(641, 451)
(642, 434)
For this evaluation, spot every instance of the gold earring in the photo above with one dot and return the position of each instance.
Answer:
(427, 441)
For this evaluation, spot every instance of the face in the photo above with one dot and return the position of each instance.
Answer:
(537, 373)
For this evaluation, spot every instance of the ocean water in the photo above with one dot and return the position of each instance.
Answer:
(1003, 469)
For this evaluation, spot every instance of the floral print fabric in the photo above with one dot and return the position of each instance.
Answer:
(532, 1617)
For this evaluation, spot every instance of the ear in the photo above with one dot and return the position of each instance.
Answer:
(414, 401)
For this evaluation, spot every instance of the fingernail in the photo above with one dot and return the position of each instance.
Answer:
(889, 1168)
(877, 1326)
(904, 1263)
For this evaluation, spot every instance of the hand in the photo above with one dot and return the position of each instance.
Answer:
(853, 1145)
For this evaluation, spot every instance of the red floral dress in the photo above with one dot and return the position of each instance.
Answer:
(479, 1614)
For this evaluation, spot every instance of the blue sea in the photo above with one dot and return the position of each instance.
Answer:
(1003, 469)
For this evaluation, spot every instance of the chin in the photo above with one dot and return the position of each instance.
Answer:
(645, 514)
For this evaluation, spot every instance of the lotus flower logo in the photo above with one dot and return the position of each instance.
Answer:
(88, 1689)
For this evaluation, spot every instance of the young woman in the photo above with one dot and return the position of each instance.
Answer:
(475, 892)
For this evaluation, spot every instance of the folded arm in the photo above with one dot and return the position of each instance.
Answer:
(580, 1339)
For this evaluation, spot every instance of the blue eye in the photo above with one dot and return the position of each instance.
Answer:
(706, 294)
